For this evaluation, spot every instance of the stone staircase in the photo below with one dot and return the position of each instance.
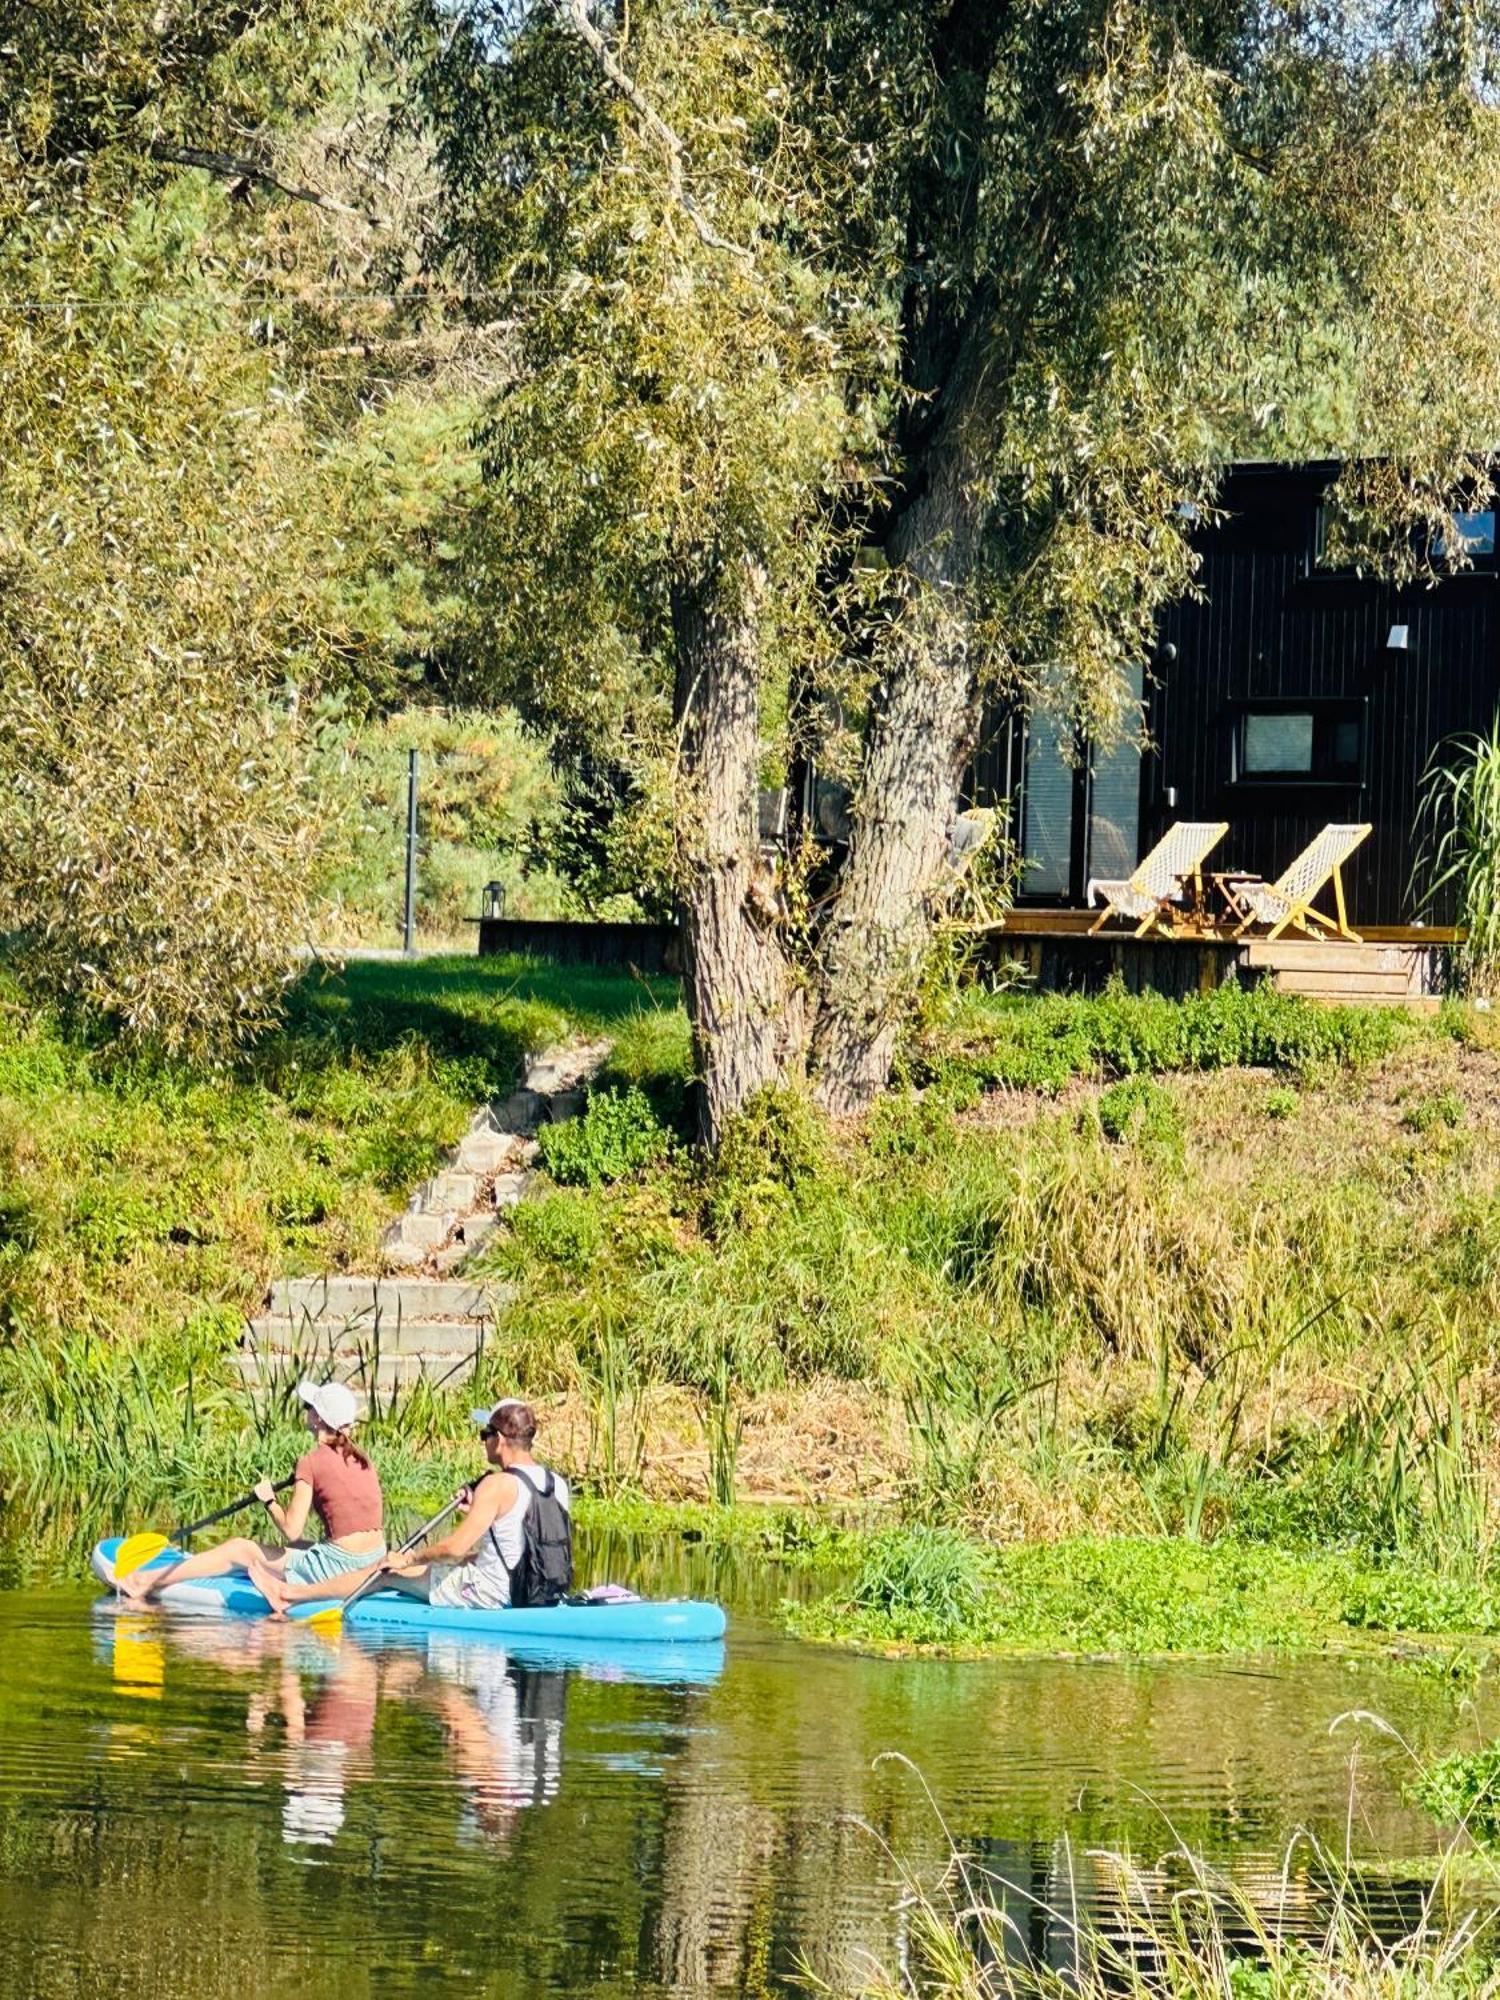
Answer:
(415, 1320)
(374, 1333)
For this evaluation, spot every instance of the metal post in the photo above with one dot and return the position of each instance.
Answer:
(409, 937)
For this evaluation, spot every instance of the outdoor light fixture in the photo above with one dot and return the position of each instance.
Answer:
(1396, 639)
(494, 900)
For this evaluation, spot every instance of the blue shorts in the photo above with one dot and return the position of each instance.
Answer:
(326, 1559)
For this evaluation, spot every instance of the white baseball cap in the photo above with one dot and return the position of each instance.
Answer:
(335, 1404)
(482, 1417)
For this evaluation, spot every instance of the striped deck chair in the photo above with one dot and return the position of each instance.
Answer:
(1288, 900)
(1157, 882)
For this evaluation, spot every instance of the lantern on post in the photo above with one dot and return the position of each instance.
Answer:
(494, 900)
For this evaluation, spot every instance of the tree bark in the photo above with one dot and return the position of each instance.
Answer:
(921, 734)
(747, 1016)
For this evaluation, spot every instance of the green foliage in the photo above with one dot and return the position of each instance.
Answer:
(921, 1578)
(1127, 1595)
(1464, 1790)
(1043, 1043)
(1139, 1112)
(774, 1154)
(1281, 1102)
(1123, 1596)
(1443, 1110)
(1458, 856)
(616, 1134)
(214, 521)
(483, 790)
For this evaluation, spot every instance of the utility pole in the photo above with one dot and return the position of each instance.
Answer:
(409, 929)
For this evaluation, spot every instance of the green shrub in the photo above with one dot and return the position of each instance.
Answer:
(563, 1228)
(1281, 1101)
(1464, 1789)
(924, 1580)
(911, 1127)
(1140, 1113)
(1446, 1109)
(774, 1152)
(616, 1134)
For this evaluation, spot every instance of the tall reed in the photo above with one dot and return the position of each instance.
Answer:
(1458, 848)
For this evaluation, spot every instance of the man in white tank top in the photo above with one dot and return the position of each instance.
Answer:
(471, 1565)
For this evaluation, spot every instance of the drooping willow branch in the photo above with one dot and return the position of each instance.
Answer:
(235, 167)
(577, 16)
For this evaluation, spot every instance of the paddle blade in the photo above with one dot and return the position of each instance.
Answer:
(136, 1551)
(328, 1619)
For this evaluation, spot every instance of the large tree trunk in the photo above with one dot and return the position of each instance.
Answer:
(921, 734)
(747, 1018)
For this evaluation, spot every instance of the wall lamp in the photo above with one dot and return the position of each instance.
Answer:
(1396, 639)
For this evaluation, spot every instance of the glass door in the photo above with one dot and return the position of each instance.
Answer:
(1114, 801)
(1080, 818)
(1047, 811)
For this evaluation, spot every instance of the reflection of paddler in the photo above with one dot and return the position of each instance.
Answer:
(504, 1724)
(323, 1737)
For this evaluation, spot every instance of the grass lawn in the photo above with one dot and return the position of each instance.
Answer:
(141, 1199)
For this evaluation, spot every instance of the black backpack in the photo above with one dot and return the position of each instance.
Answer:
(544, 1575)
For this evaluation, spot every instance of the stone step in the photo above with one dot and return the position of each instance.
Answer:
(452, 1189)
(342, 1300)
(488, 1151)
(389, 1336)
(390, 1371)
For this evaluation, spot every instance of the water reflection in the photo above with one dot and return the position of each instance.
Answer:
(433, 1813)
(496, 1714)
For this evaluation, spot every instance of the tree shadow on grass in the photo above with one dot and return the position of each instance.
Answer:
(496, 1009)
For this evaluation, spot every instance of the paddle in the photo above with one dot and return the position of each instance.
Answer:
(332, 1615)
(138, 1550)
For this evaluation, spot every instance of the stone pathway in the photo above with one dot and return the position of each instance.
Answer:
(414, 1320)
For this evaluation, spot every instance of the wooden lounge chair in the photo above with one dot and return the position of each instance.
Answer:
(1157, 883)
(1288, 900)
(961, 891)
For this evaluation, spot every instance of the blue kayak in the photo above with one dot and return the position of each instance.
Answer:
(672, 1621)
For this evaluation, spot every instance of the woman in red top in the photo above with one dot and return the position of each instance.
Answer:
(334, 1480)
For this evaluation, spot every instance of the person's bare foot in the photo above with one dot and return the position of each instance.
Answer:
(269, 1584)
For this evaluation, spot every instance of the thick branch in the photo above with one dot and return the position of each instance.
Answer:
(578, 18)
(234, 167)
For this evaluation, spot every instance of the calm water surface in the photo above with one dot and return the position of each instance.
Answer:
(193, 1811)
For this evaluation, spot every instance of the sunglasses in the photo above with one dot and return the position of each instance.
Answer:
(487, 1434)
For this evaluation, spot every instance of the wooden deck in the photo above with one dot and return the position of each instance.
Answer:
(1392, 965)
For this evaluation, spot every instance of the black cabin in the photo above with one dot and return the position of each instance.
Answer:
(1290, 696)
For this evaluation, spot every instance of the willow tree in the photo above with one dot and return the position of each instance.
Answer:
(876, 356)
(208, 512)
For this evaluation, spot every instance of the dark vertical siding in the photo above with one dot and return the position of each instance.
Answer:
(1271, 625)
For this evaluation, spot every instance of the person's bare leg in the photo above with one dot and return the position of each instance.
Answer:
(236, 1553)
(280, 1594)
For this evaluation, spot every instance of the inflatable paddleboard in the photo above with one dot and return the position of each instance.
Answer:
(665, 1621)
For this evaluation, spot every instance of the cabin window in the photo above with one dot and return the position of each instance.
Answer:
(1326, 516)
(1475, 536)
(1288, 742)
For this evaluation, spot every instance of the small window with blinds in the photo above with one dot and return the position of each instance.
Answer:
(1313, 742)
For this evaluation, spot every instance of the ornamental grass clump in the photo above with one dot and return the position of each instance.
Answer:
(1458, 831)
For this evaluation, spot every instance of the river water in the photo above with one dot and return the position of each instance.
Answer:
(206, 1811)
